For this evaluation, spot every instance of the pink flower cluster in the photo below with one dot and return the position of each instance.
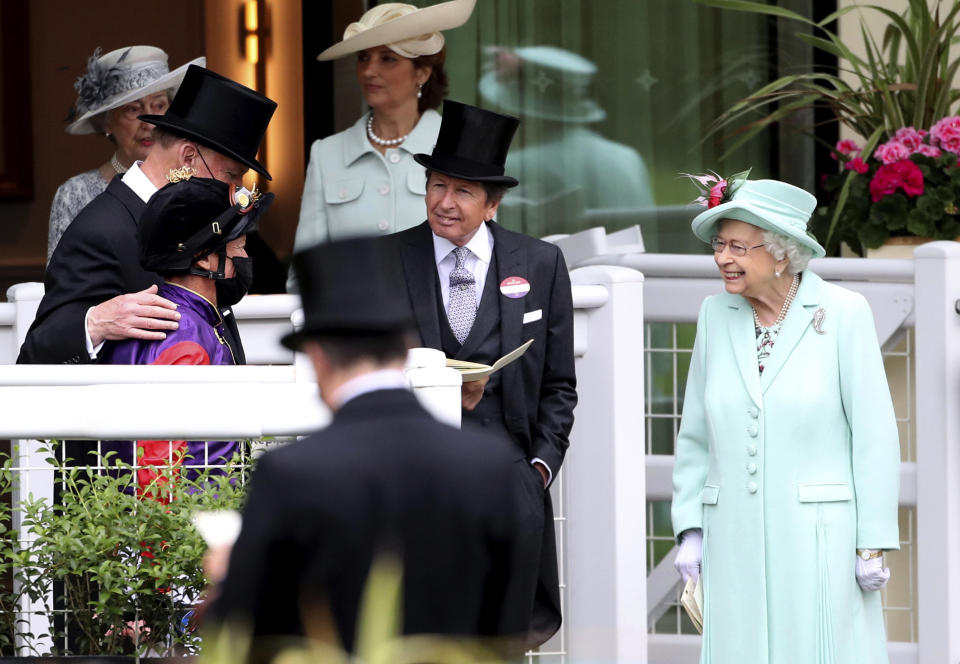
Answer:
(903, 174)
(897, 170)
(946, 134)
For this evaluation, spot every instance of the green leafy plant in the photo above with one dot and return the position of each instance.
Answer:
(129, 569)
(904, 80)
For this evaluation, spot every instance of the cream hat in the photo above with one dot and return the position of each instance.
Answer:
(120, 77)
(403, 28)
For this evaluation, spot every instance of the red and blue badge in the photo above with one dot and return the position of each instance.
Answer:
(514, 287)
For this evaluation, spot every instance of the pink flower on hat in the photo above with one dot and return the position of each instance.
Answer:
(891, 152)
(716, 194)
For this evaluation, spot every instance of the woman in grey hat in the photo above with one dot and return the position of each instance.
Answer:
(787, 460)
(115, 89)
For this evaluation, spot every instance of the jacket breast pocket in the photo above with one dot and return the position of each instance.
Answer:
(832, 492)
(338, 192)
(417, 182)
(710, 494)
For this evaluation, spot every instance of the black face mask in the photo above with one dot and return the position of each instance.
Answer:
(230, 291)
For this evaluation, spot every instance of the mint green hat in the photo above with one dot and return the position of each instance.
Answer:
(769, 204)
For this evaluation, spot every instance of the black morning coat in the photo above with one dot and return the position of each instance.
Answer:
(96, 259)
(383, 478)
(536, 394)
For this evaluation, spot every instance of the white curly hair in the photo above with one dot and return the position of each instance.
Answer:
(781, 246)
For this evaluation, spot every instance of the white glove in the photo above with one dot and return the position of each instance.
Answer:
(871, 574)
(690, 554)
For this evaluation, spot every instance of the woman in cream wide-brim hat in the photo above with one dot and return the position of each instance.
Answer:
(787, 460)
(116, 88)
(363, 180)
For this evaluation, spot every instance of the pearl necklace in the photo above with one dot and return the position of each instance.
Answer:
(792, 293)
(117, 166)
(386, 142)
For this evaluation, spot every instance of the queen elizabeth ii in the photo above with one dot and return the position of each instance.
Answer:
(787, 459)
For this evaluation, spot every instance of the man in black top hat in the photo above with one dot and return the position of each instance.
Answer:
(95, 288)
(384, 481)
(478, 291)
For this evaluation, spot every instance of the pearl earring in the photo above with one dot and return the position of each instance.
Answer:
(419, 90)
(777, 273)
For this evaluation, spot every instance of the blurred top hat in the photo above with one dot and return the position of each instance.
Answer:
(472, 144)
(352, 286)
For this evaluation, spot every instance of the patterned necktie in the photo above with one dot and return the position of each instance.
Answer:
(462, 307)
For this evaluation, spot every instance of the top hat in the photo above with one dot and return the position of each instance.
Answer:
(769, 204)
(220, 114)
(186, 220)
(350, 286)
(541, 82)
(404, 29)
(120, 77)
(472, 144)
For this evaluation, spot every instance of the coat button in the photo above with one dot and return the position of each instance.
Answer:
(394, 158)
(383, 226)
(752, 450)
(752, 468)
(342, 194)
(753, 412)
(752, 487)
(753, 430)
(384, 189)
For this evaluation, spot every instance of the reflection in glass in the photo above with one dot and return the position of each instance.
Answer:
(571, 176)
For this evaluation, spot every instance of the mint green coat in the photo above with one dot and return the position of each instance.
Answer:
(351, 189)
(788, 474)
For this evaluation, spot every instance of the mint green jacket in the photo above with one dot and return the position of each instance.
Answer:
(351, 189)
(788, 474)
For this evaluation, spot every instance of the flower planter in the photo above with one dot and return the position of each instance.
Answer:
(898, 247)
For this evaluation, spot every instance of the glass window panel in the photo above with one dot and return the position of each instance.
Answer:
(615, 98)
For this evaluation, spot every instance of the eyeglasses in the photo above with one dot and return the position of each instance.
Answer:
(735, 248)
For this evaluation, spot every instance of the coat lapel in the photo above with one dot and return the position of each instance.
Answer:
(795, 325)
(420, 271)
(511, 262)
(743, 339)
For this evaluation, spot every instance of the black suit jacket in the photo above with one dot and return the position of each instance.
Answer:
(383, 477)
(96, 259)
(539, 390)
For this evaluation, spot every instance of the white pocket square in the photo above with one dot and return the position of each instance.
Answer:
(532, 316)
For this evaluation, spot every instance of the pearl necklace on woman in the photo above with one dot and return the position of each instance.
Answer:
(386, 142)
(117, 166)
(792, 293)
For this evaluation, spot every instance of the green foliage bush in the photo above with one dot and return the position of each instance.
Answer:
(121, 562)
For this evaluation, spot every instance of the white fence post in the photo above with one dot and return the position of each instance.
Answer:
(604, 477)
(938, 452)
(26, 298)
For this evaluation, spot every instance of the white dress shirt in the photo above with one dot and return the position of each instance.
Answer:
(383, 379)
(140, 184)
(477, 261)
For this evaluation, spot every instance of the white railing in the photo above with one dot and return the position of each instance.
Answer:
(601, 523)
(282, 401)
